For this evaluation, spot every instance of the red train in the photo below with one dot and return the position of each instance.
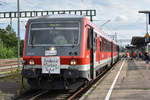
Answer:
(61, 51)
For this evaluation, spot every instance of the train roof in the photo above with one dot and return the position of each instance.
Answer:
(59, 16)
(66, 16)
(101, 32)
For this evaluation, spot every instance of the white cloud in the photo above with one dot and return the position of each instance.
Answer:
(123, 14)
(121, 18)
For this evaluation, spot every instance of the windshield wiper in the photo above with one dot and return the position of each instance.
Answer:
(32, 38)
(75, 41)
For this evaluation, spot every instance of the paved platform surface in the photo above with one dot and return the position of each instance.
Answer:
(11, 86)
(133, 83)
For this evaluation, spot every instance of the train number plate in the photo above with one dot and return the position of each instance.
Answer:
(51, 65)
(50, 53)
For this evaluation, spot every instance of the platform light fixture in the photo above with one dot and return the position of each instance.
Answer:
(146, 12)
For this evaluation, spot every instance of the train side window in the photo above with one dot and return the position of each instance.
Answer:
(106, 46)
(95, 41)
(89, 39)
(109, 46)
(100, 45)
(103, 44)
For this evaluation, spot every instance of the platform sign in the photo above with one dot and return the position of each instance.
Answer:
(149, 17)
(147, 38)
(147, 35)
(51, 65)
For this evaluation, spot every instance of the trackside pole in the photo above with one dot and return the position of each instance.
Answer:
(18, 17)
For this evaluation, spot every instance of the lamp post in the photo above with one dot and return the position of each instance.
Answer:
(146, 13)
(18, 11)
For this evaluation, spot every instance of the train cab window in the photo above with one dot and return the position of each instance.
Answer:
(54, 34)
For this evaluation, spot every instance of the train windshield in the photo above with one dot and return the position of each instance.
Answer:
(55, 34)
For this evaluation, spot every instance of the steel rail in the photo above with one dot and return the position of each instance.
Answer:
(91, 83)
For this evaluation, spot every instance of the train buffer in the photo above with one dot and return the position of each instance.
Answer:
(128, 80)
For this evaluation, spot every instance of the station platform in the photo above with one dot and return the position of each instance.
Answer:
(127, 80)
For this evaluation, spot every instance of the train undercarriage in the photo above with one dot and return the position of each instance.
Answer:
(68, 79)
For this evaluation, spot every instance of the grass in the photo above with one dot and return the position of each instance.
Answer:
(11, 75)
(21, 87)
(15, 75)
(127, 71)
(140, 88)
(16, 79)
(1, 95)
(145, 89)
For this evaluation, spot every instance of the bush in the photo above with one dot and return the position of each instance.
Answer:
(8, 43)
(10, 53)
(7, 52)
(3, 53)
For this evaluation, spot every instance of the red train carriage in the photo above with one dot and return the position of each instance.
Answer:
(63, 50)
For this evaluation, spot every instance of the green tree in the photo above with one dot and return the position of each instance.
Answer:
(4, 36)
(10, 53)
(3, 51)
(8, 43)
(12, 39)
(9, 29)
(8, 36)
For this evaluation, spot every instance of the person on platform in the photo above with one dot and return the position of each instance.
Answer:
(127, 54)
(147, 58)
(134, 54)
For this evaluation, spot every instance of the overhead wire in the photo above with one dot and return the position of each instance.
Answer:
(108, 29)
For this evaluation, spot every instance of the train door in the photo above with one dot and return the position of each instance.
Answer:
(111, 53)
(118, 52)
(90, 47)
(94, 54)
(92, 41)
(100, 48)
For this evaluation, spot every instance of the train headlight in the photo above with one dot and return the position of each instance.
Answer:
(31, 62)
(73, 62)
(52, 48)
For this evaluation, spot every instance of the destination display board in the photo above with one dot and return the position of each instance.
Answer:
(51, 65)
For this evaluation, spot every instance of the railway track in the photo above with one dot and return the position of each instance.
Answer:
(54, 95)
(68, 94)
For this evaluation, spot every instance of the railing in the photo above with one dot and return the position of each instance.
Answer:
(8, 64)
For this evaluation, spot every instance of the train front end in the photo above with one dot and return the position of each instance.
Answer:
(53, 53)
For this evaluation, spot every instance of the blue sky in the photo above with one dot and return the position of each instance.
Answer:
(124, 16)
